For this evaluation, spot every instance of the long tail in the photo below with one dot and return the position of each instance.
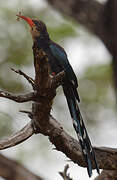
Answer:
(72, 99)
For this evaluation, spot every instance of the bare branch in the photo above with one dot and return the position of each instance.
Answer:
(10, 169)
(30, 115)
(19, 98)
(28, 130)
(29, 79)
(106, 157)
(18, 137)
(64, 174)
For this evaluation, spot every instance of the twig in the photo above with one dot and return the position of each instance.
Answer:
(64, 174)
(18, 137)
(19, 98)
(29, 79)
(30, 115)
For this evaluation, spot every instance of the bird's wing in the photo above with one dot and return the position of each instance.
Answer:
(61, 56)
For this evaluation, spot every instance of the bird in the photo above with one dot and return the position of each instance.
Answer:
(58, 61)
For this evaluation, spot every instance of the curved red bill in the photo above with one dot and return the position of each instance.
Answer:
(29, 20)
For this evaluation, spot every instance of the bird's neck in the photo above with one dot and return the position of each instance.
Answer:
(42, 41)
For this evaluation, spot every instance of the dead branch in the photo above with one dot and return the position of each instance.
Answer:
(106, 157)
(29, 79)
(18, 137)
(18, 98)
(12, 170)
(39, 97)
(30, 115)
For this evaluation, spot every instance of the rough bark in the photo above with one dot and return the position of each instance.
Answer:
(107, 175)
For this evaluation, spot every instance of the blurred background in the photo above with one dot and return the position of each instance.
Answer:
(92, 65)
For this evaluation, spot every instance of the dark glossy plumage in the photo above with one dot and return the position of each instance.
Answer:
(58, 61)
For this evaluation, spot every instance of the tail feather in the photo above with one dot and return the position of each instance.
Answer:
(88, 152)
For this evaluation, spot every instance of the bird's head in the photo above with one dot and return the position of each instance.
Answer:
(37, 27)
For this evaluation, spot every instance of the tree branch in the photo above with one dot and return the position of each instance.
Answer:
(29, 79)
(18, 137)
(106, 157)
(19, 98)
(12, 170)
